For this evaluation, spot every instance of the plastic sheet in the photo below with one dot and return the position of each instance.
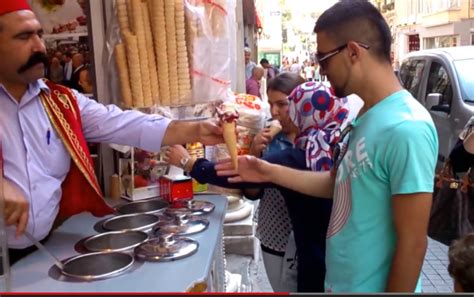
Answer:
(185, 48)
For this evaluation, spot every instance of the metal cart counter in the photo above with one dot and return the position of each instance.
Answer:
(35, 273)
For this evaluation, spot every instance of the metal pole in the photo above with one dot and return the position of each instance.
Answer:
(5, 282)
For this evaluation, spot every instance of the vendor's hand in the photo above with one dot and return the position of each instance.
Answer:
(210, 132)
(250, 169)
(16, 207)
(174, 154)
(260, 142)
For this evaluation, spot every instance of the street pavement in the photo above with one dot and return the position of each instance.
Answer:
(435, 276)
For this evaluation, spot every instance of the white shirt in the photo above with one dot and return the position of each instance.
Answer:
(39, 168)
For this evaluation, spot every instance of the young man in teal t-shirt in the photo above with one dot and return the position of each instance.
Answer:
(376, 239)
(382, 188)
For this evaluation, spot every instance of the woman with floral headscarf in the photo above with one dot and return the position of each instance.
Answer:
(318, 115)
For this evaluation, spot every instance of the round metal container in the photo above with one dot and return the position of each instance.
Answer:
(132, 222)
(151, 206)
(97, 265)
(166, 248)
(115, 241)
(182, 224)
(193, 207)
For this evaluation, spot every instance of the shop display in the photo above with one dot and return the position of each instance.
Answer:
(60, 16)
(139, 174)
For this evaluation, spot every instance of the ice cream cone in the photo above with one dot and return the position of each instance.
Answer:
(228, 115)
(275, 127)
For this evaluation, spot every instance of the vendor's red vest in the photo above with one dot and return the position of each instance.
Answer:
(81, 191)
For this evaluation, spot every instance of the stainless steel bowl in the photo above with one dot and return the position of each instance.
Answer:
(132, 222)
(96, 266)
(115, 241)
(149, 206)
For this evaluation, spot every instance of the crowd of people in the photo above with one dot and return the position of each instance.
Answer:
(309, 70)
(70, 66)
(357, 204)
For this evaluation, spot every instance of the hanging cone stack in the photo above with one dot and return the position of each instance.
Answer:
(172, 48)
(156, 50)
(161, 50)
(122, 16)
(184, 81)
(142, 51)
(121, 62)
(153, 70)
(134, 69)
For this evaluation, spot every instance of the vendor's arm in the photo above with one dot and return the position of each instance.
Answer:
(410, 161)
(252, 169)
(201, 170)
(110, 124)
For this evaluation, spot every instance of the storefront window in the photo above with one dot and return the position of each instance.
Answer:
(441, 41)
(433, 6)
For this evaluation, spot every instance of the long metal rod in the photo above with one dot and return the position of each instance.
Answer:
(5, 281)
(42, 248)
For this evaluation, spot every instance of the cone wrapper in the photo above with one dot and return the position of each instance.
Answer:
(230, 139)
(228, 116)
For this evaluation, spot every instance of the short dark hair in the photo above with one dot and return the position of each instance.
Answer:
(357, 20)
(461, 262)
(264, 61)
(285, 82)
(68, 54)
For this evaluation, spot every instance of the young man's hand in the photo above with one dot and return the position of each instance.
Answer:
(251, 169)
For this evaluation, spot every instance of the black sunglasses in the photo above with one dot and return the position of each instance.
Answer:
(340, 149)
(323, 58)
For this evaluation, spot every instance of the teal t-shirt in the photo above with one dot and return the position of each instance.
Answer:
(392, 149)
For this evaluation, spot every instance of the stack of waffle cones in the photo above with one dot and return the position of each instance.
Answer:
(153, 64)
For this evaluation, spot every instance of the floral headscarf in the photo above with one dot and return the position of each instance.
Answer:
(319, 115)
